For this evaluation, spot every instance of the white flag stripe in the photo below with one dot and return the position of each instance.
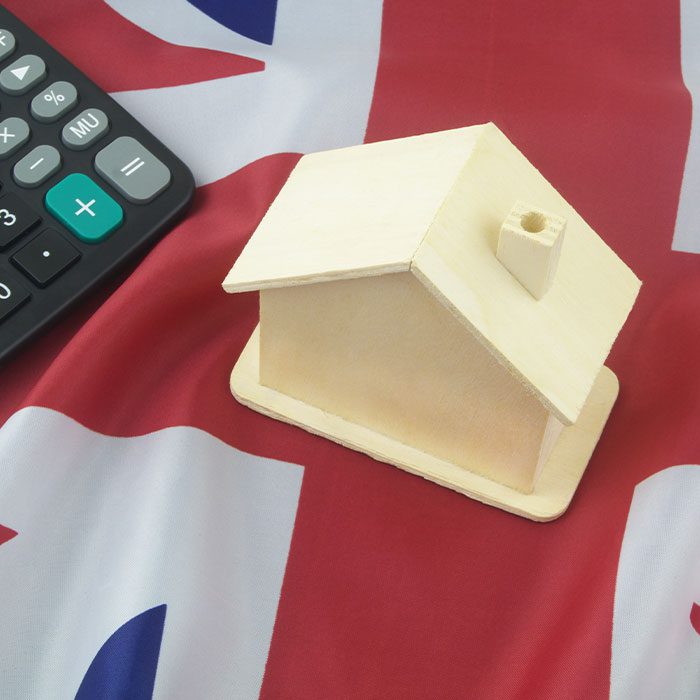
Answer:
(655, 649)
(687, 234)
(310, 97)
(109, 527)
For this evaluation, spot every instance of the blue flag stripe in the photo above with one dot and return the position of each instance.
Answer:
(252, 18)
(125, 666)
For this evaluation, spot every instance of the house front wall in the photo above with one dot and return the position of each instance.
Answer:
(382, 352)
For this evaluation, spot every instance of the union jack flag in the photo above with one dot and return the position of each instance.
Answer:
(159, 540)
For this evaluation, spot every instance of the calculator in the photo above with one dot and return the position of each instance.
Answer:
(84, 187)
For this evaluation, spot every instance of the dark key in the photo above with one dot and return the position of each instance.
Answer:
(16, 218)
(12, 293)
(45, 257)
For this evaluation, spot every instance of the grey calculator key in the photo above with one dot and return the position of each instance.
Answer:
(14, 132)
(7, 43)
(38, 165)
(132, 169)
(81, 132)
(22, 74)
(54, 102)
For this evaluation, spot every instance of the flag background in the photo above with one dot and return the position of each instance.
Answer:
(393, 587)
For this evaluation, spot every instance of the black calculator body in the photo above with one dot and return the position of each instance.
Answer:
(84, 186)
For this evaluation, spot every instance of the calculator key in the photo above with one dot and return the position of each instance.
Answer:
(16, 218)
(81, 132)
(84, 208)
(54, 102)
(22, 74)
(46, 257)
(7, 43)
(12, 293)
(14, 132)
(38, 165)
(132, 169)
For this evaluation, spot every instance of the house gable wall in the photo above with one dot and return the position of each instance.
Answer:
(383, 353)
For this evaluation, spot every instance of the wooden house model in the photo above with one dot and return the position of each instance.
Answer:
(434, 302)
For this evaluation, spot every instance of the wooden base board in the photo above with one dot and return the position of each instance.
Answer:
(554, 489)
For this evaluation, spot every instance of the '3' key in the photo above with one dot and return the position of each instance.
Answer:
(16, 218)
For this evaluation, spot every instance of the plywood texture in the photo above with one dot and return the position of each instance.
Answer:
(384, 353)
(556, 344)
(553, 491)
(390, 325)
(353, 211)
(434, 204)
(529, 246)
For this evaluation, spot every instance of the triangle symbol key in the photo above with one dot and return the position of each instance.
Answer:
(20, 72)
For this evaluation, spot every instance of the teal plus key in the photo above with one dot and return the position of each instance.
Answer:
(84, 208)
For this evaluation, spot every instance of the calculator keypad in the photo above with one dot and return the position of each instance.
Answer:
(83, 186)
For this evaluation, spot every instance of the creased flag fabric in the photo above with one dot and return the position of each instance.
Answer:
(159, 540)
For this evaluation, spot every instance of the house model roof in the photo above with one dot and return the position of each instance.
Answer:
(433, 205)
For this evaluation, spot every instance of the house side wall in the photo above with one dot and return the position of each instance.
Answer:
(382, 352)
